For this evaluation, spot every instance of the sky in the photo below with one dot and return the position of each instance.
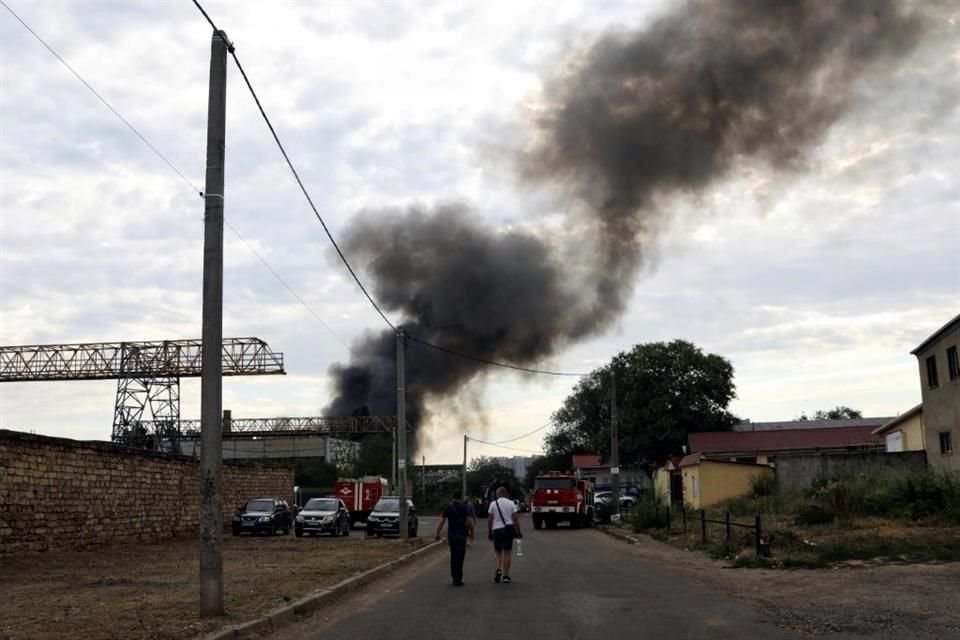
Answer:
(815, 284)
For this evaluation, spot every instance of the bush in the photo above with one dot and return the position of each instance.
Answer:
(896, 493)
(648, 513)
(813, 513)
(763, 485)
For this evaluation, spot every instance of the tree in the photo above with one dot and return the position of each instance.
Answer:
(541, 464)
(483, 473)
(839, 412)
(665, 390)
(375, 456)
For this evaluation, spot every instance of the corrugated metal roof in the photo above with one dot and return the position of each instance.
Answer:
(813, 424)
(587, 460)
(781, 440)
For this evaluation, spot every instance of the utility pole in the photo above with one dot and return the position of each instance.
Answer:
(423, 480)
(211, 385)
(614, 445)
(465, 438)
(402, 438)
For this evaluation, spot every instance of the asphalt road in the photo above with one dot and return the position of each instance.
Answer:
(568, 585)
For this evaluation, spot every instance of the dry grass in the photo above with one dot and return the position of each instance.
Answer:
(134, 592)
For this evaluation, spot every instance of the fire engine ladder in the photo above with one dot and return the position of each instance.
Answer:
(147, 374)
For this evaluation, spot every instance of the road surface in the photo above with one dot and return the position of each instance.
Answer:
(568, 585)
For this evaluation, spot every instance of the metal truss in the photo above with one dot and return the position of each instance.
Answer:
(147, 373)
(117, 360)
(322, 425)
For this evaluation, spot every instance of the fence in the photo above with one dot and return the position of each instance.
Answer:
(760, 542)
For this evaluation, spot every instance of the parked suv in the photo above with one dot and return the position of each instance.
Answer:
(384, 519)
(263, 515)
(323, 515)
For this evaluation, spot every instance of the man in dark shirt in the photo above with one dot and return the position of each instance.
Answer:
(460, 526)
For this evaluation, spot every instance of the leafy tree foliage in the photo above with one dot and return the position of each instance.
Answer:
(839, 412)
(375, 457)
(309, 472)
(665, 390)
(485, 472)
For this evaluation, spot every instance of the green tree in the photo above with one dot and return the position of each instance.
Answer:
(311, 472)
(839, 412)
(375, 456)
(541, 464)
(665, 390)
(485, 472)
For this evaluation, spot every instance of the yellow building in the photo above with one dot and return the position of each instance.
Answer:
(701, 482)
(905, 432)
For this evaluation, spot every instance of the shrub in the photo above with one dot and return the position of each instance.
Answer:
(763, 485)
(648, 513)
(813, 513)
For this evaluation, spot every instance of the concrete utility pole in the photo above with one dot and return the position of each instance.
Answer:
(465, 438)
(402, 438)
(614, 445)
(211, 387)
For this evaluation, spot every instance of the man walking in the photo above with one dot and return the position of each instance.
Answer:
(502, 527)
(460, 526)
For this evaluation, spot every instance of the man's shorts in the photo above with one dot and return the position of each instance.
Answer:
(502, 541)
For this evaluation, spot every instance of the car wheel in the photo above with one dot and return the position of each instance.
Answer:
(273, 529)
(298, 533)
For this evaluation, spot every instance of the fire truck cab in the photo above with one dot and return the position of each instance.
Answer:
(562, 497)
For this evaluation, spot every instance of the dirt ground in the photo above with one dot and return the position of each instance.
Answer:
(141, 592)
(904, 600)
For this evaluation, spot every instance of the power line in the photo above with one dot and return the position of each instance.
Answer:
(340, 253)
(500, 446)
(103, 100)
(173, 167)
(524, 435)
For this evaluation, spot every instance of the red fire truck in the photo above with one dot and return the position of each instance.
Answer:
(360, 495)
(562, 497)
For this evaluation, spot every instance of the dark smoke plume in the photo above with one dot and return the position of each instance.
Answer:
(636, 117)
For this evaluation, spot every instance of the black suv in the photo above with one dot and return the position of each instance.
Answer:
(384, 519)
(323, 515)
(263, 515)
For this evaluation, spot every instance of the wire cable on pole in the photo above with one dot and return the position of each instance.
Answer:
(500, 446)
(343, 257)
(173, 167)
(524, 435)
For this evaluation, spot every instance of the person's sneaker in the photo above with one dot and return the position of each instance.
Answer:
(496, 576)
(458, 584)
(507, 580)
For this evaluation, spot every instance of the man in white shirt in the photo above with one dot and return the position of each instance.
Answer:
(503, 527)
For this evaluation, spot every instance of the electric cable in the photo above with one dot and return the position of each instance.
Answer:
(174, 168)
(524, 435)
(342, 256)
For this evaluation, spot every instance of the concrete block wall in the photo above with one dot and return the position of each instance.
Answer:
(59, 493)
(798, 473)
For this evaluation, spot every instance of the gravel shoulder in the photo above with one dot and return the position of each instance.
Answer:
(893, 600)
(134, 592)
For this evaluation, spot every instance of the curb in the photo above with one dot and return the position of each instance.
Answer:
(284, 616)
(619, 535)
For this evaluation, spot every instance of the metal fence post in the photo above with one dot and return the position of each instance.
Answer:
(703, 525)
(727, 524)
(683, 513)
(757, 531)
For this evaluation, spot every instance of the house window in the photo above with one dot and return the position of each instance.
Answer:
(946, 443)
(932, 380)
(953, 364)
(696, 489)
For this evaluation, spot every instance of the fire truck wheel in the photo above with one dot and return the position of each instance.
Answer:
(551, 524)
(575, 522)
(538, 523)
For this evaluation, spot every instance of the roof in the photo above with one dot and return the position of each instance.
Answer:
(903, 417)
(813, 424)
(689, 460)
(588, 460)
(936, 335)
(782, 440)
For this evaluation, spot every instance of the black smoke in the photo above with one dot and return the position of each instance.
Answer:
(634, 118)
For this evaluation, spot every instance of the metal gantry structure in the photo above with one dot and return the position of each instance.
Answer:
(148, 375)
(313, 425)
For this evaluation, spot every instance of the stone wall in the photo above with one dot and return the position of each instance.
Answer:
(60, 493)
(798, 473)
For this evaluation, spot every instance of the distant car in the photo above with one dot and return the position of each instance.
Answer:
(603, 497)
(323, 515)
(263, 515)
(385, 517)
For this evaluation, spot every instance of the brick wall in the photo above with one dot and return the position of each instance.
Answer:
(60, 493)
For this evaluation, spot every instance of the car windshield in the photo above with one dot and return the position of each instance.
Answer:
(554, 483)
(321, 504)
(260, 505)
(387, 505)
